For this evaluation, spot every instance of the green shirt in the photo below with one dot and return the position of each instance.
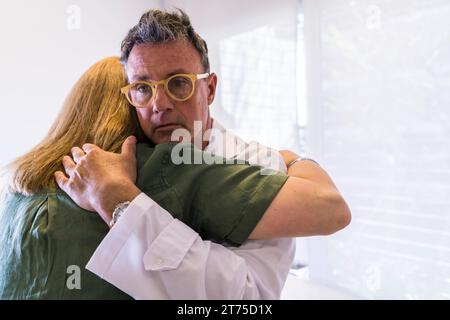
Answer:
(43, 234)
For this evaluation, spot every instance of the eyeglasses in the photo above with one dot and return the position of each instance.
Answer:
(179, 87)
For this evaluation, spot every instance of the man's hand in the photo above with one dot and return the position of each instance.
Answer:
(99, 180)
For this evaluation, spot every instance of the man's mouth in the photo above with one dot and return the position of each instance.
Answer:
(168, 127)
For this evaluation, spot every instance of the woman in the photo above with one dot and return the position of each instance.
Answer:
(45, 236)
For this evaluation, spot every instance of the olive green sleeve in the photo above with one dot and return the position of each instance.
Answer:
(231, 199)
(222, 202)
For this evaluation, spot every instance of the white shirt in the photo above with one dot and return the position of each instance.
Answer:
(150, 255)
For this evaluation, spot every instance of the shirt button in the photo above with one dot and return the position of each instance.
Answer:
(159, 261)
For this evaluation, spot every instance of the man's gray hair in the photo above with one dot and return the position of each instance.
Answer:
(156, 26)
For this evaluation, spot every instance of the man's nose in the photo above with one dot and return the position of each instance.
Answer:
(161, 102)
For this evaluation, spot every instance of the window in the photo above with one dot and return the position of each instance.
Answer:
(258, 76)
(380, 124)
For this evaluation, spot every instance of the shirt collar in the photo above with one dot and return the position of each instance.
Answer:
(223, 142)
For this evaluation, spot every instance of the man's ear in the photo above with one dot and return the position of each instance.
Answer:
(212, 86)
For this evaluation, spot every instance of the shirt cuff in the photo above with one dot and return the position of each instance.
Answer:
(165, 240)
(170, 247)
(142, 212)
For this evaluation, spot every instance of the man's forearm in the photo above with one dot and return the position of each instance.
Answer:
(309, 204)
(311, 171)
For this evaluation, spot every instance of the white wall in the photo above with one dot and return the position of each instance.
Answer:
(44, 52)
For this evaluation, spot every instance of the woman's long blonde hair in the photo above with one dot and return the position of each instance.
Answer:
(94, 112)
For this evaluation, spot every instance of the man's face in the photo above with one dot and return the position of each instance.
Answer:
(154, 62)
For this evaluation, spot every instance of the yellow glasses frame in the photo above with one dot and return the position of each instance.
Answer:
(153, 85)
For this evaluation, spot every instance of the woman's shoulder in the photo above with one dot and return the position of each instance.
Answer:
(149, 154)
(21, 202)
(143, 152)
(16, 197)
(39, 198)
(49, 206)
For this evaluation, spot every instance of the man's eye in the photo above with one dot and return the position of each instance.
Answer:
(179, 82)
(142, 88)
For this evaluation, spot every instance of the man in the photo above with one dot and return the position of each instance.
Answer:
(148, 254)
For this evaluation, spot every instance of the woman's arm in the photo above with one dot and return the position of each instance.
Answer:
(308, 204)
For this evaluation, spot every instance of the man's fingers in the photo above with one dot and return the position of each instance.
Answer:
(129, 147)
(87, 147)
(61, 179)
(69, 165)
(77, 154)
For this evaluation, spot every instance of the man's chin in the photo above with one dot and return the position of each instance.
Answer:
(165, 138)
(164, 135)
(161, 139)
